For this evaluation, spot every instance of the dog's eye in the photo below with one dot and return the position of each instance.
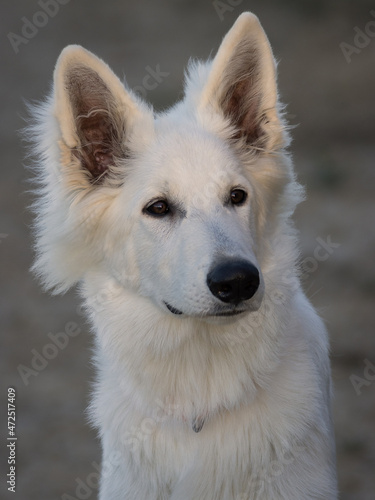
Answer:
(238, 196)
(158, 208)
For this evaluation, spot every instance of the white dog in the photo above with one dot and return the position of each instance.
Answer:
(213, 370)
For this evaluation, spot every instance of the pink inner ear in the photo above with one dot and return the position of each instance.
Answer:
(97, 121)
(97, 147)
(103, 160)
(242, 107)
(241, 93)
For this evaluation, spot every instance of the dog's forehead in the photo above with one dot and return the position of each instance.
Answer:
(189, 156)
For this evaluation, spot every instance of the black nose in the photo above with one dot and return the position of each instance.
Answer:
(233, 281)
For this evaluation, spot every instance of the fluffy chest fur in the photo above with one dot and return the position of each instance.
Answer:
(261, 410)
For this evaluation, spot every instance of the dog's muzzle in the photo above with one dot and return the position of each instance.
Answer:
(232, 282)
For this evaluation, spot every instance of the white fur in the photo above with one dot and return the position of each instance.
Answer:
(259, 382)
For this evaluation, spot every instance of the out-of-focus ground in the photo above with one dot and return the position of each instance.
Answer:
(331, 100)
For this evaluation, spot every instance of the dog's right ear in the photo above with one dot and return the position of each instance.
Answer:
(94, 111)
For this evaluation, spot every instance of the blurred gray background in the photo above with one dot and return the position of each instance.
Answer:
(327, 77)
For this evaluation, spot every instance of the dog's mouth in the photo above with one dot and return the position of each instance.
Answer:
(172, 309)
(229, 313)
(233, 312)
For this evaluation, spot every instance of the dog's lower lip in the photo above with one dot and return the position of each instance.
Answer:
(172, 309)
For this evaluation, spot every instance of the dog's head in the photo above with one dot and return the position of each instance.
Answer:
(185, 207)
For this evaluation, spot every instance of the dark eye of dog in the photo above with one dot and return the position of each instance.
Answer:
(237, 196)
(158, 208)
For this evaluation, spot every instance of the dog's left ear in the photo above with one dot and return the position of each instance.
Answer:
(241, 85)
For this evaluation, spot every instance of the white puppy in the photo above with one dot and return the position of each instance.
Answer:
(213, 371)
